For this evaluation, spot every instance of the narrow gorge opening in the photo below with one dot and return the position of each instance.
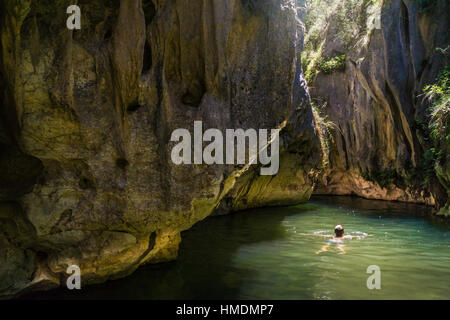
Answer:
(149, 13)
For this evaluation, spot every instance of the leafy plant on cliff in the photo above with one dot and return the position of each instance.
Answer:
(345, 20)
(334, 64)
(439, 125)
(310, 59)
(384, 178)
(318, 64)
(422, 174)
(436, 134)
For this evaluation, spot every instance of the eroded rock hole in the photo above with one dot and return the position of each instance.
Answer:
(122, 163)
(133, 107)
(108, 35)
(193, 97)
(86, 184)
(41, 256)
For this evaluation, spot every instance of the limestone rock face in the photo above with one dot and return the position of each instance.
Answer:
(86, 175)
(378, 148)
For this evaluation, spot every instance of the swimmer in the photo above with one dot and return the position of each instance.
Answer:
(337, 239)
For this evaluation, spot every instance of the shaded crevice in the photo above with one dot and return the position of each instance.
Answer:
(151, 246)
(344, 147)
(122, 163)
(194, 96)
(149, 14)
(133, 107)
(149, 11)
(19, 171)
(147, 64)
(404, 22)
(396, 110)
(86, 184)
(423, 67)
(108, 34)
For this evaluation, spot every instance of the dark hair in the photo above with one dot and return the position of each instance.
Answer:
(339, 231)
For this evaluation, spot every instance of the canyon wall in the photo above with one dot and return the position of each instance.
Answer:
(367, 65)
(87, 117)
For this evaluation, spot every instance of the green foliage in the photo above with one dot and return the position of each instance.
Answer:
(334, 64)
(436, 133)
(384, 178)
(423, 173)
(349, 16)
(419, 176)
(442, 85)
(314, 64)
(345, 20)
(439, 126)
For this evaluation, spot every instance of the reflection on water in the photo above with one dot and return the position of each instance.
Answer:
(261, 254)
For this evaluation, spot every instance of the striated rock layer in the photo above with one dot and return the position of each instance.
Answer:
(378, 148)
(87, 115)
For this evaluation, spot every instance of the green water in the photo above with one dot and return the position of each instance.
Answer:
(260, 254)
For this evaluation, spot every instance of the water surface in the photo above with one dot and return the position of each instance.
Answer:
(262, 254)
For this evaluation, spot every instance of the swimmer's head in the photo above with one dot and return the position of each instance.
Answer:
(339, 231)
